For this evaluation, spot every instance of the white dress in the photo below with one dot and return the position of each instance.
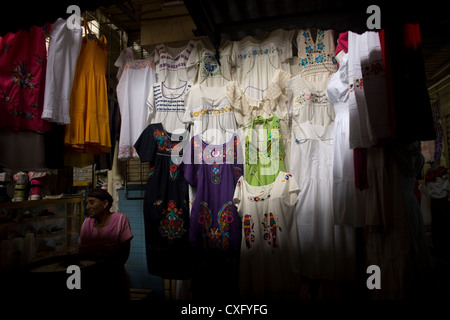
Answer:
(256, 61)
(166, 105)
(269, 265)
(360, 130)
(175, 64)
(134, 85)
(63, 51)
(209, 72)
(312, 152)
(372, 67)
(348, 200)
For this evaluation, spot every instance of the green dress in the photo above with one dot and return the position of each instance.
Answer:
(264, 152)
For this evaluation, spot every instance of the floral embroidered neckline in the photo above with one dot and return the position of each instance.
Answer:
(264, 190)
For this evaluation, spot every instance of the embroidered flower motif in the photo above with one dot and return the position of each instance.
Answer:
(307, 96)
(357, 84)
(215, 173)
(201, 219)
(270, 228)
(22, 77)
(304, 62)
(256, 199)
(157, 202)
(172, 204)
(171, 226)
(248, 230)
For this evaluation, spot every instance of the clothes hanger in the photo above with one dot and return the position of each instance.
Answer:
(328, 112)
(296, 124)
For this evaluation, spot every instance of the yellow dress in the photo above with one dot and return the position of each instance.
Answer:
(88, 131)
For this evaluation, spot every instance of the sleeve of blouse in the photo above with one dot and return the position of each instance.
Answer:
(238, 195)
(150, 104)
(293, 191)
(145, 145)
(125, 230)
(188, 165)
(83, 233)
(289, 38)
(193, 61)
(187, 117)
(234, 95)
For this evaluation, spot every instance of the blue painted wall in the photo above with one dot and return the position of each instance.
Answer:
(136, 265)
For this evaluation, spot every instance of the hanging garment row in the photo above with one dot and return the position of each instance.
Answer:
(316, 171)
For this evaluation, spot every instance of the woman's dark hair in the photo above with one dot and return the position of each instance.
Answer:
(101, 195)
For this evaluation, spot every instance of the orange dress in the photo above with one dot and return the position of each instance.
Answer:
(89, 131)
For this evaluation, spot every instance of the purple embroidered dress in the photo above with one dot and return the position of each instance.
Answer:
(215, 226)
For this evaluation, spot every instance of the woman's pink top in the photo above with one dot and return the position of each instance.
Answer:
(107, 240)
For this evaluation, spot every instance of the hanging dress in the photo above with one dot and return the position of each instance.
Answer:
(255, 61)
(269, 264)
(312, 152)
(63, 51)
(360, 129)
(89, 130)
(166, 208)
(348, 201)
(215, 226)
(132, 91)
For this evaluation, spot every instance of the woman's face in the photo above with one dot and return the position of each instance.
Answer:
(95, 207)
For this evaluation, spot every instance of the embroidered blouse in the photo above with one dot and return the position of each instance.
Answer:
(316, 56)
(23, 59)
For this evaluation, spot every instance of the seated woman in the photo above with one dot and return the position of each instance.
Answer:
(108, 235)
